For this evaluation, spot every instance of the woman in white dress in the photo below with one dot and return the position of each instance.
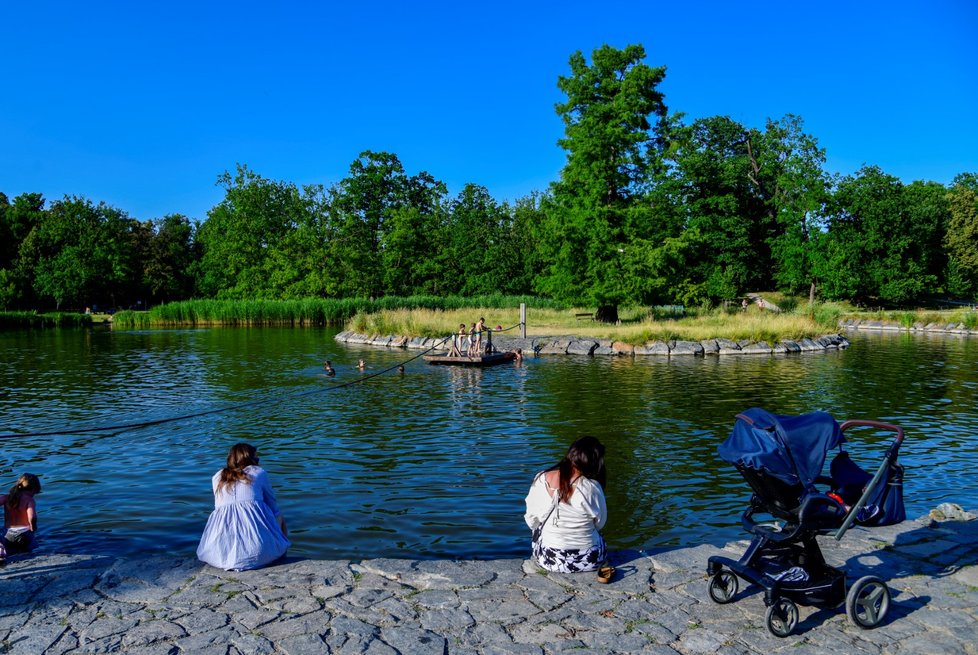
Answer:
(246, 530)
(566, 510)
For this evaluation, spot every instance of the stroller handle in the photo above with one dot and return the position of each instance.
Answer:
(856, 423)
(890, 456)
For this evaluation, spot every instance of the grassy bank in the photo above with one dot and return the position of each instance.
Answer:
(48, 319)
(304, 312)
(638, 325)
(908, 318)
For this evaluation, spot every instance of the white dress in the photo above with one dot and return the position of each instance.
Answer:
(243, 531)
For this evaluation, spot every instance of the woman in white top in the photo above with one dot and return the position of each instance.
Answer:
(566, 510)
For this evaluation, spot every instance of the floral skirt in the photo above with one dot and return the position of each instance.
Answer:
(569, 560)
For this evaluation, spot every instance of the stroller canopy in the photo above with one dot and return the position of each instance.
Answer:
(789, 448)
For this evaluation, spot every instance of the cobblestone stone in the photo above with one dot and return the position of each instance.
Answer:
(60, 604)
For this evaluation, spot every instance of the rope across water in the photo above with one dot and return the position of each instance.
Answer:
(125, 427)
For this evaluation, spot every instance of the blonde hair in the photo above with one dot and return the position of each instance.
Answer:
(240, 457)
(28, 483)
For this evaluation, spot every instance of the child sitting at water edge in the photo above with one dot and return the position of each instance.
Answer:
(566, 510)
(20, 516)
(246, 530)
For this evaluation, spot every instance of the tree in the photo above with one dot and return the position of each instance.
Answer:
(726, 226)
(594, 210)
(961, 238)
(169, 260)
(881, 240)
(17, 220)
(80, 252)
(245, 240)
(788, 176)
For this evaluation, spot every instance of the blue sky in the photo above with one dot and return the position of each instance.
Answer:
(142, 105)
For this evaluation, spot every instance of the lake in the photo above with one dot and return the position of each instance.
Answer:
(436, 463)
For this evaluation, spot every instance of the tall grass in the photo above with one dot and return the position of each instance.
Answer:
(639, 325)
(306, 311)
(909, 318)
(49, 319)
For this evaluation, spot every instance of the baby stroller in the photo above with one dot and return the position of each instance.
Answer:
(782, 457)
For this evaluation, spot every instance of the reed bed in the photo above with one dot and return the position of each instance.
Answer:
(303, 312)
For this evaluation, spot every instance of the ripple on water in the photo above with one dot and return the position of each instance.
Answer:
(436, 463)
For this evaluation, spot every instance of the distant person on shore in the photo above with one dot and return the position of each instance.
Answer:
(246, 530)
(566, 510)
(20, 516)
(470, 342)
(328, 369)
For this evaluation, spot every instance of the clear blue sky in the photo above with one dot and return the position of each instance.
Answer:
(142, 105)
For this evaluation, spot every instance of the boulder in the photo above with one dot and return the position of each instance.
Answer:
(581, 347)
(951, 512)
(555, 347)
(727, 347)
(759, 348)
(710, 347)
(623, 348)
(686, 348)
(653, 348)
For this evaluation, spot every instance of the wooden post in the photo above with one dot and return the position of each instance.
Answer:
(522, 320)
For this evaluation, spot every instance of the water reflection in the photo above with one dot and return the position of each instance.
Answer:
(436, 462)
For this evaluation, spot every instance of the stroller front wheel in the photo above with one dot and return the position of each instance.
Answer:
(723, 587)
(782, 617)
(868, 602)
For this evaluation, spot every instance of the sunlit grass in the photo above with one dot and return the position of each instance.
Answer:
(638, 325)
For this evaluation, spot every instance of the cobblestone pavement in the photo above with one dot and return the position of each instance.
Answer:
(657, 603)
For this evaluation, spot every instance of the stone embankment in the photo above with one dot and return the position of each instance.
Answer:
(68, 604)
(930, 328)
(597, 347)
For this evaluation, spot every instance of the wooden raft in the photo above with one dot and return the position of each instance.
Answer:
(484, 360)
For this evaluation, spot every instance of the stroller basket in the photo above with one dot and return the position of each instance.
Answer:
(782, 458)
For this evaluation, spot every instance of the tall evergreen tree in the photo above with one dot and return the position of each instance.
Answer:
(595, 211)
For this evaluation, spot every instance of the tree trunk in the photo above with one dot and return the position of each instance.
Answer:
(607, 314)
(811, 294)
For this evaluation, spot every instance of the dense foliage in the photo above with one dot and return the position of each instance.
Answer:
(650, 208)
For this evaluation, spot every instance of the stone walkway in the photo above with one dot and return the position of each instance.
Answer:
(657, 603)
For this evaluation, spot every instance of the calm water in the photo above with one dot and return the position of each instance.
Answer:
(436, 463)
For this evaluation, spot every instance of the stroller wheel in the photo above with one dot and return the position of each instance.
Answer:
(723, 587)
(867, 602)
(782, 617)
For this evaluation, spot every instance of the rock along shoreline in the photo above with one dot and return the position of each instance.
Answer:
(658, 603)
(566, 345)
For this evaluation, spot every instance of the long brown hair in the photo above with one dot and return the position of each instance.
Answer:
(240, 457)
(29, 483)
(587, 456)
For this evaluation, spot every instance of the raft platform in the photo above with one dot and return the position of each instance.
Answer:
(465, 360)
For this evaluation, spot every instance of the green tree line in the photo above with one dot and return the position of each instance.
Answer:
(651, 207)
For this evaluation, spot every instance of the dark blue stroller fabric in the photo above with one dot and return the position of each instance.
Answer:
(884, 506)
(789, 448)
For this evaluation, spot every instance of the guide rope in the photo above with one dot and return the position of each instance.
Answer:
(125, 427)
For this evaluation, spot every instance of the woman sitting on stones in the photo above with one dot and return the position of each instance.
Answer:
(566, 510)
(246, 530)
